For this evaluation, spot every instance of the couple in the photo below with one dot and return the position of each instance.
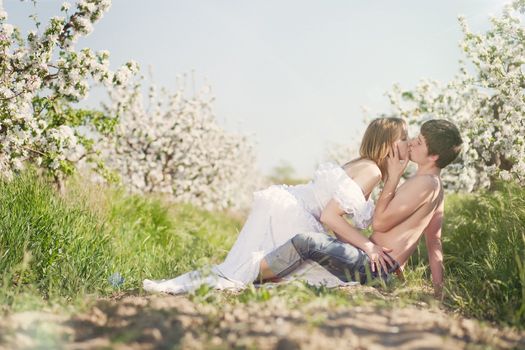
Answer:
(285, 235)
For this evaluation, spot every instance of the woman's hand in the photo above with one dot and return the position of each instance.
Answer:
(379, 260)
(395, 166)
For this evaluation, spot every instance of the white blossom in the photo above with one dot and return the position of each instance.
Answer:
(42, 76)
(486, 100)
(173, 145)
(7, 29)
(65, 6)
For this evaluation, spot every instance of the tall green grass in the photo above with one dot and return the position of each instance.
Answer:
(484, 244)
(484, 254)
(55, 246)
(152, 239)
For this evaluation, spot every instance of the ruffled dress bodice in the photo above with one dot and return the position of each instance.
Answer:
(330, 181)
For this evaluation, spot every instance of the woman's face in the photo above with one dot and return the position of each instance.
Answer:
(402, 145)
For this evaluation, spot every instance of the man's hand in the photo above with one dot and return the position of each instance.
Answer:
(379, 260)
(395, 166)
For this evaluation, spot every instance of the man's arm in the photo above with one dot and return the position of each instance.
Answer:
(332, 217)
(435, 251)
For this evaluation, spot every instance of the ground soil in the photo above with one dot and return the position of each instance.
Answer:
(170, 322)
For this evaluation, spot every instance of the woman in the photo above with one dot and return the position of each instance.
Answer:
(280, 212)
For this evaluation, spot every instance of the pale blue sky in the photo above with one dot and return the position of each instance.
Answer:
(293, 75)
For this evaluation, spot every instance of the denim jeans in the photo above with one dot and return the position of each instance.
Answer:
(343, 260)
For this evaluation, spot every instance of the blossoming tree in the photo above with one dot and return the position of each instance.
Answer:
(42, 76)
(173, 145)
(486, 100)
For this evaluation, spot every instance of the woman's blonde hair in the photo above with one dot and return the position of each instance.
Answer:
(377, 141)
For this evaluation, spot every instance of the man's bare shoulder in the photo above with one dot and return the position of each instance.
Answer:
(424, 182)
(423, 187)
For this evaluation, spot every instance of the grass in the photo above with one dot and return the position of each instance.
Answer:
(296, 294)
(47, 246)
(61, 249)
(485, 249)
(155, 240)
(484, 254)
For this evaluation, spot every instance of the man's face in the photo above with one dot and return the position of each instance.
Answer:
(417, 148)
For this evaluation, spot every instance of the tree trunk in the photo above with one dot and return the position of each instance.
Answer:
(60, 184)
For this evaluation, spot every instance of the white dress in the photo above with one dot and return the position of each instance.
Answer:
(278, 214)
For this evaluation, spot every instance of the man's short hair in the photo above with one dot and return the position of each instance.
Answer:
(443, 139)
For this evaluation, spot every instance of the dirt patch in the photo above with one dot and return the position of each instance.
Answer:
(167, 322)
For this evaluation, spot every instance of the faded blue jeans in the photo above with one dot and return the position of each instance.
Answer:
(343, 260)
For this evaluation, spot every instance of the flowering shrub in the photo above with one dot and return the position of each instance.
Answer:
(42, 76)
(174, 146)
(485, 100)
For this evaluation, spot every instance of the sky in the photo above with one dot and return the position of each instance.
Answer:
(292, 75)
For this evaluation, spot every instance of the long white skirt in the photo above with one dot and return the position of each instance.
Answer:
(276, 216)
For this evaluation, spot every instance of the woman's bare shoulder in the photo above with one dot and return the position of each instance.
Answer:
(362, 168)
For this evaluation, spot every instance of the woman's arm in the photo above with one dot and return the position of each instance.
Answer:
(333, 218)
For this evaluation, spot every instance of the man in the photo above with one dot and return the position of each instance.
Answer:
(400, 218)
